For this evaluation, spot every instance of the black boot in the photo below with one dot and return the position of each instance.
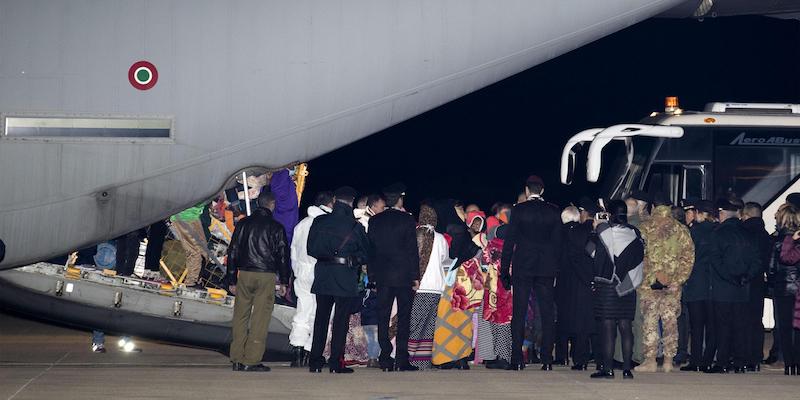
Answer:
(315, 366)
(297, 357)
(499, 363)
(387, 364)
(627, 374)
(604, 374)
(691, 368)
(340, 368)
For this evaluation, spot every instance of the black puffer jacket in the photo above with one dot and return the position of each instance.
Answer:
(259, 245)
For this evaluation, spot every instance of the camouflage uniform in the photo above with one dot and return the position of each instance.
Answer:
(669, 250)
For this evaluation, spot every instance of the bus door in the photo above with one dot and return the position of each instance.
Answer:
(679, 181)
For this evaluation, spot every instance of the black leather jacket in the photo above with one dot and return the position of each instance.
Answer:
(259, 245)
(784, 278)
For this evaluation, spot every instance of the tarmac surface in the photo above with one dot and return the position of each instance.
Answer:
(42, 361)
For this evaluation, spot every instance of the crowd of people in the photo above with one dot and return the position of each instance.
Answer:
(627, 283)
(633, 283)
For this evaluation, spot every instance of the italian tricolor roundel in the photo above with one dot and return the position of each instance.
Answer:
(143, 75)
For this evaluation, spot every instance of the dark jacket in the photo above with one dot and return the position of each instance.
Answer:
(574, 284)
(337, 234)
(735, 261)
(394, 257)
(533, 241)
(764, 246)
(698, 286)
(785, 269)
(259, 245)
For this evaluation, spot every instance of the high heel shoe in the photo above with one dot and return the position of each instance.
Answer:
(627, 374)
(547, 367)
(604, 374)
(580, 367)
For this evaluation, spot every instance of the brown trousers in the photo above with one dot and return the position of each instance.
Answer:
(252, 311)
(194, 244)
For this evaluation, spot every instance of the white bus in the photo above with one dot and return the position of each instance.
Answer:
(747, 149)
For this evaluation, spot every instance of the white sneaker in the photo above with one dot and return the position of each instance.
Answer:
(98, 348)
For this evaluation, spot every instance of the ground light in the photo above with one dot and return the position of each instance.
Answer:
(127, 345)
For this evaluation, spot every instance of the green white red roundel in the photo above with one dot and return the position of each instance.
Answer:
(143, 75)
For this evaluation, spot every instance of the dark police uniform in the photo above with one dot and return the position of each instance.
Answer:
(533, 246)
(393, 266)
(735, 262)
(758, 290)
(339, 243)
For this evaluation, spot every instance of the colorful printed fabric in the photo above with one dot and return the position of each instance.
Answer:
(452, 339)
(497, 301)
(423, 326)
(468, 287)
(355, 347)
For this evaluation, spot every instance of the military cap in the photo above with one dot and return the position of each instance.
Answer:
(706, 206)
(727, 205)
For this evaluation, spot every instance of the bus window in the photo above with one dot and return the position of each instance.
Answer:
(664, 179)
(754, 173)
(694, 182)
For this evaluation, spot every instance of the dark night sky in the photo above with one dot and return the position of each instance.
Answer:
(481, 147)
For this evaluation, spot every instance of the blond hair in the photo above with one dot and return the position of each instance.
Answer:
(570, 214)
(788, 217)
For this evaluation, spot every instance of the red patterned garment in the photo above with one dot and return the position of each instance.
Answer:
(497, 301)
(468, 286)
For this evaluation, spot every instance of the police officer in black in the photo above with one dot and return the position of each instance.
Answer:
(532, 246)
(735, 261)
(752, 222)
(394, 267)
(339, 243)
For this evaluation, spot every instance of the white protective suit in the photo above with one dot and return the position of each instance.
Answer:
(303, 267)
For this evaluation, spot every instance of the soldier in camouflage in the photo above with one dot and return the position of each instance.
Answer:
(669, 257)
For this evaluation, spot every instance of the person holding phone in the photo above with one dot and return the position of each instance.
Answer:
(617, 251)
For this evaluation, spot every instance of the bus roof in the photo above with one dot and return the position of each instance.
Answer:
(732, 114)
